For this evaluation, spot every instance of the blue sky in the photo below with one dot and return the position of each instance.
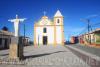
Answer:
(72, 10)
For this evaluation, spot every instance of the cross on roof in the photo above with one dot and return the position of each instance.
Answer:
(16, 16)
(44, 13)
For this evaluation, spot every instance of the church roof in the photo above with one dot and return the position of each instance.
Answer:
(58, 13)
(44, 17)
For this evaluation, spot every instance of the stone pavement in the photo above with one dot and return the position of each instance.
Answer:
(47, 56)
(81, 51)
(93, 50)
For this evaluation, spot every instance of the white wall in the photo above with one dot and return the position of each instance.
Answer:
(58, 35)
(39, 34)
(49, 34)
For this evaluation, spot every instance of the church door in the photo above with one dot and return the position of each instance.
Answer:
(44, 40)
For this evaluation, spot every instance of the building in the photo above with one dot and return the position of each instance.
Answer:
(5, 39)
(48, 32)
(95, 37)
(74, 40)
(24, 40)
(81, 38)
(92, 38)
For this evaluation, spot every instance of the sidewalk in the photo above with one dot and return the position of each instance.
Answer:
(89, 49)
(83, 53)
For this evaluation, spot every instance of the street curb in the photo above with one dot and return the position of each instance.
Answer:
(90, 59)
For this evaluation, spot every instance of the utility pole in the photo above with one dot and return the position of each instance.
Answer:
(88, 28)
(89, 39)
(87, 19)
(24, 33)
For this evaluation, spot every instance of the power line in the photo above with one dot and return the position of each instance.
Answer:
(95, 24)
(83, 31)
(89, 26)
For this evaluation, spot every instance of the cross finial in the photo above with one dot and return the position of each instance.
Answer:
(44, 13)
(16, 16)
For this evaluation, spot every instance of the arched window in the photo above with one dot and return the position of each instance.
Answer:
(44, 30)
(58, 21)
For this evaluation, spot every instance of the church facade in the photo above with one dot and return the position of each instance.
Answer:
(48, 32)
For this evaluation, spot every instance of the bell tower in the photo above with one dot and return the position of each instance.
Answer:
(58, 18)
(58, 28)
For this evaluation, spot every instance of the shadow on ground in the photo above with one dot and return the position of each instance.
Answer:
(40, 55)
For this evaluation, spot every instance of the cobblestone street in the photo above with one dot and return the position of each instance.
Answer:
(44, 56)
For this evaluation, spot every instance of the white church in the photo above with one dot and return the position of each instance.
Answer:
(49, 32)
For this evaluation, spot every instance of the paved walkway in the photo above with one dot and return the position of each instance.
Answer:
(48, 56)
(93, 50)
(91, 59)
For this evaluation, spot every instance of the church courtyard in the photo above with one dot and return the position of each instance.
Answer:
(44, 56)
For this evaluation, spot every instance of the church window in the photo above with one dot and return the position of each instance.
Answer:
(44, 30)
(58, 21)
